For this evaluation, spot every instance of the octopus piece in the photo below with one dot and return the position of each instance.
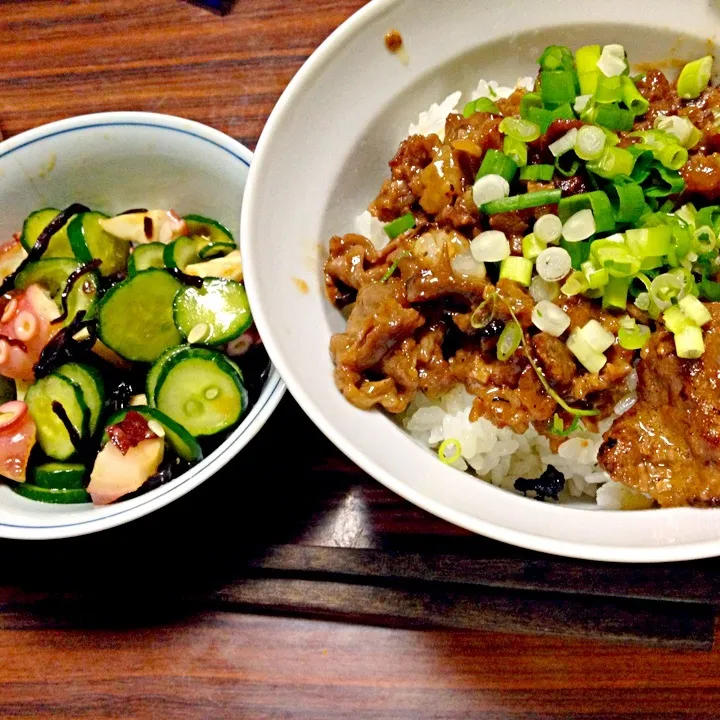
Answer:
(17, 439)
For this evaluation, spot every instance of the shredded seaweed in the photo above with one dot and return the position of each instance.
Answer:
(549, 485)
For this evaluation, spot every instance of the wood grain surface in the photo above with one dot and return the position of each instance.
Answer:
(152, 620)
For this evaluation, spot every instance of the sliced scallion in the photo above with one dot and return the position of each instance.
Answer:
(586, 59)
(579, 226)
(632, 336)
(564, 144)
(556, 57)
(483, 314)
(613, 162)
(628, 202)
(490, 187)
(516, 268)
(450, 451)
(553, 264)
(694, 78)
(612, 62)
(686, 133)
(532, 246)
(539, 173)
(516, 150)
(613, 117)
(497, 163)
(590, 359)
(548, 228)
(557, 87)
(579, 252)
(649, 242)
(509, 341)
(590, 142)
(597, 201)
(541, 116)
(522, 202)
(519, 129)
(632, 98)
(615, 293)
(694, 310)
(689, 343)
(527, 101)
(490, 246)
(549, 318)
(400, 225)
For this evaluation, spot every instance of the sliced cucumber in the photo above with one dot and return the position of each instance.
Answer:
(90, 382)
(216, 249)
(199, 389)
(154, 373)
(53, 274)
(60, 476)
(146, 256)
(214, 313)
(211, 230)
(181, 440)
(35, 223)
(136, 316)
(89, 242)
(52, 434)
(56, 496)
(182, 252)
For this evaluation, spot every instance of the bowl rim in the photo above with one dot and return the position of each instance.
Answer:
(669, 552)
(273, 389)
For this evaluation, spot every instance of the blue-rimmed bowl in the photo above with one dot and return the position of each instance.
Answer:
(115, 161)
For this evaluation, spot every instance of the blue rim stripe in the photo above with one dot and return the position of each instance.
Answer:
(253, 413)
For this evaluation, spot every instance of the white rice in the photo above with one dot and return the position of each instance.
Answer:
(500, 455)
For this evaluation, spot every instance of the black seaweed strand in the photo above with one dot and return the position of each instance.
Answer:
(74, 276)
(64, 348)
(549, 485)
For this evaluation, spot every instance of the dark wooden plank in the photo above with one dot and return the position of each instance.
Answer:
(670, 625)
(687, 582)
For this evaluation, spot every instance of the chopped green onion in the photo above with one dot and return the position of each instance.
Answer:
(497, 163)
(586, 60)
(548, 228)
(394, 266)
(695, 310)
(541, 173)
(590, 142)
(516, 150)
(596, 277)
(632, 336)
(628, 202)
(455, 451)
(709, 215)
(564, 144)
(581, 103)
(689, 343)
(704, 239)
(563, 112)
(612, 62)
(694, 78)
(686, 133)
(532, 246)
(527, 101)
(664, 289)
(672, 156)
(490, 187)
(579, 226)
(615, 258)
(664, 182)
(609, 90)
(632, 98)
(556, 57)
(613, 118)
(575, 284)
(483, 314)
(509, 341)
(709, 290)
(615, 293)
(643, 164)
(579, 252)
(541, 117)
(400, 225)
(652, 263)
(522, 202)
(590, 359)
(596, 336)
(541, 376)
(519, 129)
(516, 268)
(573, 167)
(490, 246)
(675, 319)
(558, 427)
(649, 242)
(549, 318)
(553, 264)
(597, 201)
(557, 87)
(613, 162)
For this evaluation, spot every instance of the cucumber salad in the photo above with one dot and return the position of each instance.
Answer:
(127, 351)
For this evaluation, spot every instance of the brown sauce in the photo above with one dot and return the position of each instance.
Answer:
(393, 41)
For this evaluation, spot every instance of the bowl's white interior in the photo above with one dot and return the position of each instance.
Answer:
(325, 152)
(113, 162)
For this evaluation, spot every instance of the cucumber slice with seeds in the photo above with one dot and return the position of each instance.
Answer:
(60, 476)
(35, 223)
(136, 316)
(89, 241)
(199, 389)
(51, 432)
(90, 382)
(157, 367)
(211, 230)
(216, 249)
(214, 313)
(55, 496)
(182, 252)
(179, 438)
(146, 256)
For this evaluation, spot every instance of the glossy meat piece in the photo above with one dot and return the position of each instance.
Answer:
(668, 444)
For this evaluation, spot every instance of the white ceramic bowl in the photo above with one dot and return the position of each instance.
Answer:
(115, 161)
(323, 156)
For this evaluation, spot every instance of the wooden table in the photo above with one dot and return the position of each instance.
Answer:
(188, 613)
